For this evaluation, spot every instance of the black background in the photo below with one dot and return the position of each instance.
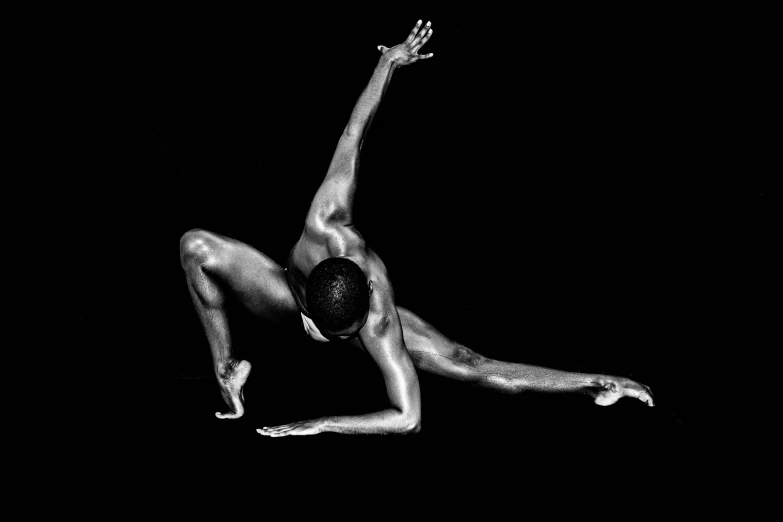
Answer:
(535, 189)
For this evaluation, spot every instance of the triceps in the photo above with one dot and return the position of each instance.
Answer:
(334, 200)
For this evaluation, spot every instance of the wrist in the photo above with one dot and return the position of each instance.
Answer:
(386, 62)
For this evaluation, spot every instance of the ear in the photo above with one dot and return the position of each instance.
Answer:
(383, 48)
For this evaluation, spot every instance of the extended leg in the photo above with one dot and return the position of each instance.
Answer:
(433, 352)
(217, 268)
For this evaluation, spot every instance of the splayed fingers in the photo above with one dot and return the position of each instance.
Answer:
(308, 427)
(417, 38)
(407, 52)
(412, 36)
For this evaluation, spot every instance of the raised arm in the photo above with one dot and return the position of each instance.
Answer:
(334, 200)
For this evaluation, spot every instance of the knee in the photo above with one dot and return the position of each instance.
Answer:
(467, 358)
(196, 246)
(470, 365)
(464, 364)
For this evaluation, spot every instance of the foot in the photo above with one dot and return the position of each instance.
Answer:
(613, 388)
(232, 381)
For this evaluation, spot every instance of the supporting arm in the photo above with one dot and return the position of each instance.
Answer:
(382, 338)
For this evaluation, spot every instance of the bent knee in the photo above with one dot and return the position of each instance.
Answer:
(467, 358)
(197, 246)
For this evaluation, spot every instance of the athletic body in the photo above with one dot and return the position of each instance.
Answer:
(218, 268)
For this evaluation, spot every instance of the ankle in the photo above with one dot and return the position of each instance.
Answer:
(225, 369)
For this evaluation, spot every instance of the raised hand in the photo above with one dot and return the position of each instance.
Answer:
(613, 388)
(407, 52)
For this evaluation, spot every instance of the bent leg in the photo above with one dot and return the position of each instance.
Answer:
(217, 268)
(433, 352)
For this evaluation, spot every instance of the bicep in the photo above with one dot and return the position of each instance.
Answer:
(334, 199)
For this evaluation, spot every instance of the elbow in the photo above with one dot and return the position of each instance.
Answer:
(411, 426)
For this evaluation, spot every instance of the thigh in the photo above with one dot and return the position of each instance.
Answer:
(255, 280)
(433, 352)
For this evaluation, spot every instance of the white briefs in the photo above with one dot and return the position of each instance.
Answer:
(312, 330)
(310, 327)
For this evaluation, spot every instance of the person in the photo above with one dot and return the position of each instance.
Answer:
(337, 289)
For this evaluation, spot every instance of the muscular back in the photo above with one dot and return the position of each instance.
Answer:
(329, 232)
(324, 241)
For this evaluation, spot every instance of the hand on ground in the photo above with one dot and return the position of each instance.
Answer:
(308, 427)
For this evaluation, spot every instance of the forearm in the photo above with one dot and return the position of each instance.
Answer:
(368, 102)
(383, 422)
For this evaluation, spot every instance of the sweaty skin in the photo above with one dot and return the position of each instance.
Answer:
(329, 232)
(399, 341)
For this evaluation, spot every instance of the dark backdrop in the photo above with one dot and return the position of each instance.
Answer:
(533, 190)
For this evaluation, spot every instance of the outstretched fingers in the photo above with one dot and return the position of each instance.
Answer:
(276, 431)
(426, 37)
(413, 33)
(421, 38)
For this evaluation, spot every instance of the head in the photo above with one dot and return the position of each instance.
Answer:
(338, 297)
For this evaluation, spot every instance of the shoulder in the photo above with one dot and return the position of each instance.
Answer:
(338, 239)
(332, 202)
(383, 311)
